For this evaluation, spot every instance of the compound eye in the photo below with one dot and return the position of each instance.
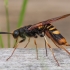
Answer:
(15, 34)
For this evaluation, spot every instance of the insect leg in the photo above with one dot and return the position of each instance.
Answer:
(15, 46)
(62, 48)
(36, 48)
(42, 35)
(59, 46)
(27, 43)
(49, 36)
(51, 50)
(24, 40)
(15, 43)
(67, 44)
(65, 49)
(45, 47)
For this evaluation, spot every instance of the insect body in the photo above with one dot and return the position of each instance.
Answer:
(41, 29)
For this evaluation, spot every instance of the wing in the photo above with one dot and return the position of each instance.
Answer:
(48, 21)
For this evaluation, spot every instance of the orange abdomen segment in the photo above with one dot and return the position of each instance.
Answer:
(61, 41)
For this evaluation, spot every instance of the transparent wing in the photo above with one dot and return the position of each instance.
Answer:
(48, 21)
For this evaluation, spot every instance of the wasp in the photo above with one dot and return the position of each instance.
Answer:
(42, 29)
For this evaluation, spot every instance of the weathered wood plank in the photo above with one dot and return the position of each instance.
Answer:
(25, 59)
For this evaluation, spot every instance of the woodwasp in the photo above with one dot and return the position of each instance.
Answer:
(41, 29)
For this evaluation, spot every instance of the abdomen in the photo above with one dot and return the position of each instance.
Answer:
(55, 34)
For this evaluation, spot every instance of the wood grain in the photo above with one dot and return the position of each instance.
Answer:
(25, 59)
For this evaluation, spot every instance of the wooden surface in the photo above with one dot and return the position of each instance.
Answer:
(25, 59)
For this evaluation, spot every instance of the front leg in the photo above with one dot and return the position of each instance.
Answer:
(23, 38)
(27, 42)
(15, 47)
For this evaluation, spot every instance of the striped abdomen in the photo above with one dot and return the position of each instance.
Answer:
(55, 34)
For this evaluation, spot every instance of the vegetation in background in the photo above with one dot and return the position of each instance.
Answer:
(7, 19)
(1, 42)
(22, 13)
(20, 20)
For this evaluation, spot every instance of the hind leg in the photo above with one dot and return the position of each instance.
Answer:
(42, 35)
(51, 50)
(45, 47)
(59, 46)
(67, 44)
(36, 48)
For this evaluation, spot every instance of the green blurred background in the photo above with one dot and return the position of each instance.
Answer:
(36, 11)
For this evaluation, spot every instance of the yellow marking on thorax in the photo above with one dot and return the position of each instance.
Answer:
(56, 32)
(52, 28)
(40, 27)
(49, 26)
